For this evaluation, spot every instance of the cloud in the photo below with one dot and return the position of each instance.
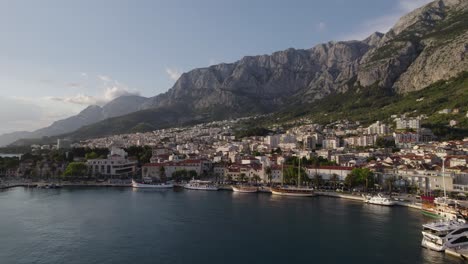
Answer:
(84, 75)
(174, 74)
(321, 26)
(104, 78)
(212, 62)
(74, 84)
(111, 89)
(385, 22)
(30, 113)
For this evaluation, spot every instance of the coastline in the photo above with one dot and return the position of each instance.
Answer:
(222, 188)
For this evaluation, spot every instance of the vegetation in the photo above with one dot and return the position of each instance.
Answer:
(360, 177)
(76, 169)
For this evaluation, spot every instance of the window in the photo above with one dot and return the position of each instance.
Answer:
(460, 240)
(461, 230)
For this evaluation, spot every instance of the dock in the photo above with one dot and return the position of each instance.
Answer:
(341, 195)
(458, 252)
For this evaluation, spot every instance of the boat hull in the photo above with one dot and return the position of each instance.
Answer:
(293, 194)
(244, 189)
(151, 186)
(201, 188)
(382, 203)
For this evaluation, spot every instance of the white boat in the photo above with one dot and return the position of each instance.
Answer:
(244, 189)
(440, 236)
(152, 185)
(379, 199)
(201, 185)
(293, 191)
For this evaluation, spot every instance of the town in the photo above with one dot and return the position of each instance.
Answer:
(401, 156)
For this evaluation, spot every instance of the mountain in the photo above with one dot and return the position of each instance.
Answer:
(425, 46)
(90, 115)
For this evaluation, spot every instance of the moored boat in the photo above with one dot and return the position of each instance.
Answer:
(201, 185)
(151, 185)
(440, 236)
(244, 189)
(379, 200)
(293, 191)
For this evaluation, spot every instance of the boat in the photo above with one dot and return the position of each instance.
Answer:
(148, 185)
(244, 189)
(201, 185)
(293, 191)
(379, 199)
(440, 236)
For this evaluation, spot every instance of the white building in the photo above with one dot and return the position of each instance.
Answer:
(116, 164)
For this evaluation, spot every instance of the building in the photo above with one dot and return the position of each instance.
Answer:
(408, 123)
(116, 164)
(331, 143)
(327, 172)
(378, 128)
(406, 139)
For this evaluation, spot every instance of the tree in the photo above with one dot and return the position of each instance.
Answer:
(317, 180)
(193, 174)
(162, 173)
(180, 175)
(242, 177)
(76, 169)
(91, 155)
(334, 179)
(256, 178)
(268, 173)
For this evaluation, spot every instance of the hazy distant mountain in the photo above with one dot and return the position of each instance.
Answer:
(425, 46)
(92, 114)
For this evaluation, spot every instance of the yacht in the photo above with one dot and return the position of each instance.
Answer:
(379, 199)
(440, 236)
(244, 189)
(201, 185)
(148, 185)
(293, 191)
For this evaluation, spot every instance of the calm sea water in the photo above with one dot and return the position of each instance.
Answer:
(98, 225)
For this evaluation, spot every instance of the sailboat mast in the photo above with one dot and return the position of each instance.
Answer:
(282, 173)
(299, 172)
(443, 176)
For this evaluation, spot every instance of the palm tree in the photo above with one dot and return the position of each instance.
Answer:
(268, 173)
(242, 177)
(256, 178)
(317, 180)
(334, 179)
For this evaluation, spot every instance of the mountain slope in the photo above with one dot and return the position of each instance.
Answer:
(425, 46)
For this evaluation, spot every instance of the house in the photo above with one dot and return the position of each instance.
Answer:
(116, 164)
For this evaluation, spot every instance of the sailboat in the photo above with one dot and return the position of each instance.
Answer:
(293, 191)
(440, 207)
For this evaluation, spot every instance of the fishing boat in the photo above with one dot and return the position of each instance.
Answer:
(148, 185)
(293, 191)
(201, 185)
(244, 189)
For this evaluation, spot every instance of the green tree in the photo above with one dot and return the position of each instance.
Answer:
(317, 180)
(76, 169)
(91, 155)
(193, 174)
(242, 177)
(334, 179)
(268, 173)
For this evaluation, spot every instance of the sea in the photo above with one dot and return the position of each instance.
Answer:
(124, 225)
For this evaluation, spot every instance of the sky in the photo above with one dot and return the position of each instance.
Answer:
(58, 57)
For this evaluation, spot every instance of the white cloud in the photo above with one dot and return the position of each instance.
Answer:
(174, 74)
(111, 89)
(386, 22)
(321, 26)
(84, 75)
(104, 78)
